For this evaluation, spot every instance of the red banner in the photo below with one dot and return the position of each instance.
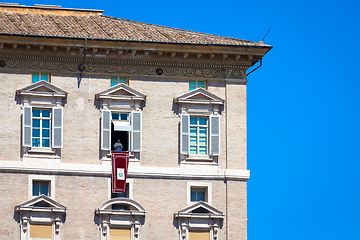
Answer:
(120, 163)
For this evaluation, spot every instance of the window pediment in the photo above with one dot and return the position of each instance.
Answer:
(199, 96)
(42, 89)
(121, 92)
(135, 207)
(200, 210)
(52, 205)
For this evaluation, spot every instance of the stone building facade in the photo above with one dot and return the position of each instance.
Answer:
(73, 81)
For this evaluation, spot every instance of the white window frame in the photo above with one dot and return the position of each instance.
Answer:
(130, 129)
(204, 185)
(49, 77)
(118, 77)
(197, 126)
(41, 127)
(45, 178)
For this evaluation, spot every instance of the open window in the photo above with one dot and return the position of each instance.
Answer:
(41, 218)
(199, 125)
(121, 118)
(42, 118)
(199, 221)
(120, 223)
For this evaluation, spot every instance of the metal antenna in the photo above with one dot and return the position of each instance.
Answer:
(267, 33)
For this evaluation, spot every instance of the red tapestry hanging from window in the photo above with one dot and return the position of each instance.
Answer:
(120, 163)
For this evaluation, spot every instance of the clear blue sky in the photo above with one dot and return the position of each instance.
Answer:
(303, 106)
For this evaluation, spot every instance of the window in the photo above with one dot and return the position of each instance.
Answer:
(41, 184)
(199, 235)
(199, 221)
(123, 224)
(198, 194)
(194, 84)
(40, 187)
(198, 135)
(196, 132)
(121, 195)
(120, 234)
(123, 126)
(40, 218)
(121, 116)
(42, 232)
(199, 191)
(114, 80)
(39, 76)
(41, 127)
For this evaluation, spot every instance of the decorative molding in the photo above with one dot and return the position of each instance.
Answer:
(188, 172)
(132, 64)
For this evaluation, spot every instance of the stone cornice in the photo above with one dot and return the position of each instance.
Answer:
(125, 66)
(134, 171)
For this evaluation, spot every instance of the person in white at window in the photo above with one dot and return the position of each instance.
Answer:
(118, 146)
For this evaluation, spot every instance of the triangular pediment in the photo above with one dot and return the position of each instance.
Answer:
(41, 202)
(199, 96)
(121, 92)
(42, 88)
(199, 209)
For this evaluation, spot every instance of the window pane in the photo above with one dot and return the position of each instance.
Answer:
(201, 83)
(46, 113)
(192, 88)
(35, 77)
(36, 142)
(193, 150)
(36, 132)
(122, 79)
(36, 189)
(46, 123)
(46, 143)
(124, 116)
(202, 140)
(200, 196)
(193, 196)
(202, 131)
(44, 189)
(113, 84)
(193, 131)
(45, 133)
(193, 121)
(36, 113)
(45, 76)
(193, 140)
(36, 123)
(203, 150)
(115, 116)
(192, 83)
(202, 121)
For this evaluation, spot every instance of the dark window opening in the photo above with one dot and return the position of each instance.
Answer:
(200, 210)
(122, 135)
(121, 195)
(41, 204)
(40, 187)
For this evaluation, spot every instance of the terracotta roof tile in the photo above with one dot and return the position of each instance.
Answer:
(106, 28)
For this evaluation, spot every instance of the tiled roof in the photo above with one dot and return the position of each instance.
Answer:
(106, 28)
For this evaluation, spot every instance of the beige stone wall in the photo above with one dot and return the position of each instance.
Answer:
(81, 195)
(160, 140)
(236, 125)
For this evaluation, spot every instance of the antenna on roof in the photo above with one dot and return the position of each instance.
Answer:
(267, 33)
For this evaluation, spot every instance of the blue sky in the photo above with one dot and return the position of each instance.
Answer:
(303, 106)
